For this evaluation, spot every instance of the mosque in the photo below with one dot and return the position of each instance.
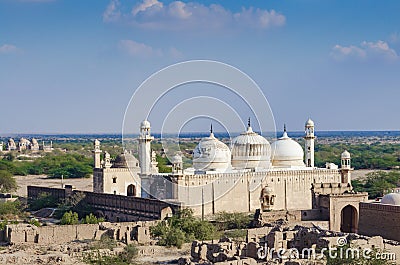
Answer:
(251, 175)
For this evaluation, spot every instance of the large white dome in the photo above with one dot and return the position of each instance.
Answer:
(287, 153)
(250, 150)
(391, 198)
(211, 154)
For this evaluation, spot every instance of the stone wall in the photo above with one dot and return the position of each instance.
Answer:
(113, 207)
(380, 220)
(212, 193)
(59, 234)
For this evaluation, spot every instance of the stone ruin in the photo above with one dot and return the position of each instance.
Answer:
(230, 252)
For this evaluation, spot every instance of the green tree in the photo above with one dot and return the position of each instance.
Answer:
(377, 182)
(182, 227)
(44, 200)
(7, 182)
(70, 218)
(92, 219)
(10, 208)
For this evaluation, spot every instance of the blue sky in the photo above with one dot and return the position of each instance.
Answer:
(69, 66)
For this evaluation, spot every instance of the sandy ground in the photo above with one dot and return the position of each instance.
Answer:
(85, 184)
(361, 173)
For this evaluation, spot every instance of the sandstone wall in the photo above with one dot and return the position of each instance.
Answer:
(58, 234)
(379, 220)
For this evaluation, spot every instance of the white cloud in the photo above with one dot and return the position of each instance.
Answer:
(8, 48)
(366, 50)
(138, 49)
(112, 12)
(260, 18)
(146, 6)
(178, 15)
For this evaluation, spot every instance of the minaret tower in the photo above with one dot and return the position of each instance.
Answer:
(346, 167)
(145, 139)
(309, 143)
(96, 154)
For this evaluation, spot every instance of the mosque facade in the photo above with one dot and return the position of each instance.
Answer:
(250, 175)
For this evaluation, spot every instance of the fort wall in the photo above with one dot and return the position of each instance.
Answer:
(380, 220)
(113, 207)
(59, 234)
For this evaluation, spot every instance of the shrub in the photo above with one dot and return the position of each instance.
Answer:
(92, 219)
(70, 218)
(35, 222)
(7, 182)
(10, 208)
(233, 220)
(181, 228)
(44, 200)
(124, 258)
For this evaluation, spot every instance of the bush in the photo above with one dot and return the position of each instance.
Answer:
(92, 219)
(377, 183)
(70, 218)
(35, 222)
(10, 208)
(233, 220)
(7, 182)
(44, 200)
(124, 258)
(181, 228)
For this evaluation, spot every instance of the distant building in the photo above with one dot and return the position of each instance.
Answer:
(24, 144)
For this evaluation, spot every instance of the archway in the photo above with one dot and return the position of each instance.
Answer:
(131, 190)
(349, 219)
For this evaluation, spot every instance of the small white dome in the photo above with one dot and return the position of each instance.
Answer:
(211, 154)
(346, 155)
(96, 142)
(309, 123)
(391, 198)
(176, 159)
(287, 152)
(250, 150)
(145, 124)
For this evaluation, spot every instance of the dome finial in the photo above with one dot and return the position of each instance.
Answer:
(284, 127)
(248, 123)
(211, 130)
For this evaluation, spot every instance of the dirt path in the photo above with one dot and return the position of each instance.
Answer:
(85, 184)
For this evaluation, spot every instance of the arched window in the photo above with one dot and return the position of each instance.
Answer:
(131, 190)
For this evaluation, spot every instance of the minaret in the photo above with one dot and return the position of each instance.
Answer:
(346, 167)
(96, 154)
(309, 143)
(145, 148)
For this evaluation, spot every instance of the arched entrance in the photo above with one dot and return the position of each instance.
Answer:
(349, 219)
(131, 190)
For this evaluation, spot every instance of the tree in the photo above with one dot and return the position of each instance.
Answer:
(182, 227)
(7, 182)
(44, 200)
(378, 182)
(92, 219)
(70, 218)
